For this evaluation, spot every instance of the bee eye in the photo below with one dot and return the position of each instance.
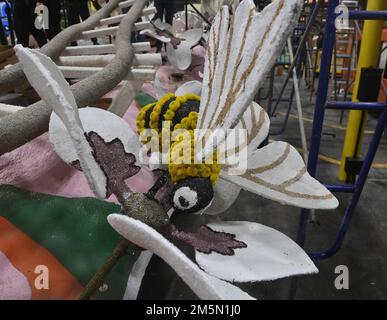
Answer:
(184, 198)
(192, 195)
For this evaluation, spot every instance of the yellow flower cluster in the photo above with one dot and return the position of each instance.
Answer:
(181, 161)
(189, 122)
(140, 119)
(181, 153)
(155, 114)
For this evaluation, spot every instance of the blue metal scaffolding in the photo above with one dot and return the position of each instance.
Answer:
(321, 105)
(299, 57)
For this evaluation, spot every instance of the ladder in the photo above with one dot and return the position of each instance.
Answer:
(322, 104)
(345, 57)
(313, 48)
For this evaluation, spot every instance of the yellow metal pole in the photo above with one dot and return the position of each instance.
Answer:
(368, 57)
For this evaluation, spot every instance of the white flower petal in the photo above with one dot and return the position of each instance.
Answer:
(48, 81)
(225, 194)
(194, 87)
(192, 36)
(137, 272)
(106, 124)
(181, 57)
(269, 255)
(153, 34)
(163, 26)
(204, 285)
(136, 275)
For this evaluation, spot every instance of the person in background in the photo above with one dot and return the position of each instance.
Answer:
(179, 5)
(54, 18)
(24, 22)
(3, 38)
(167, 9)
(76, 10)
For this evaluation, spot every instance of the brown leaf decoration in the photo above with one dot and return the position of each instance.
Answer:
(206, 240)
(161, 189)
(115, 162)
(175, 41)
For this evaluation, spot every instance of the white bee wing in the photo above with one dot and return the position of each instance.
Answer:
(48, 81)
(252, 130)
(241, 50)
(255, 124)
(277, 172)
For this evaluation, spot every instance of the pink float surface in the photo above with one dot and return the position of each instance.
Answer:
(13, 284)
(36, 167)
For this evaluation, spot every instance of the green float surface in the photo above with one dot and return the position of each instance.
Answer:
(144, 99)
(74, 230)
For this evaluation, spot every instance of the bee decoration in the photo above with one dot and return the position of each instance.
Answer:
(192, 191)
(237, 60)
(241, 49)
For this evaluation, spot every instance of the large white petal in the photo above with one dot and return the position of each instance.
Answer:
(136, 276)
(194, 87)
(106, 124)
(202, 284)
(48, 81)
(153, 34)
(163, 26)
(269, 255)
(192, 36)
(137, 273)
(181, 57)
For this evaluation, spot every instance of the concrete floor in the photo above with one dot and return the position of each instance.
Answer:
(364, 250)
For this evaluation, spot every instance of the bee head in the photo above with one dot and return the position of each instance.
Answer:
(192, 195)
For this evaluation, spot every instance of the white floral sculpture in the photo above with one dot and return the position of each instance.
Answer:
(241, 50)
(178, 44)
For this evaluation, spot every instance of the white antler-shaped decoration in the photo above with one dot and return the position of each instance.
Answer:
(49, 82)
